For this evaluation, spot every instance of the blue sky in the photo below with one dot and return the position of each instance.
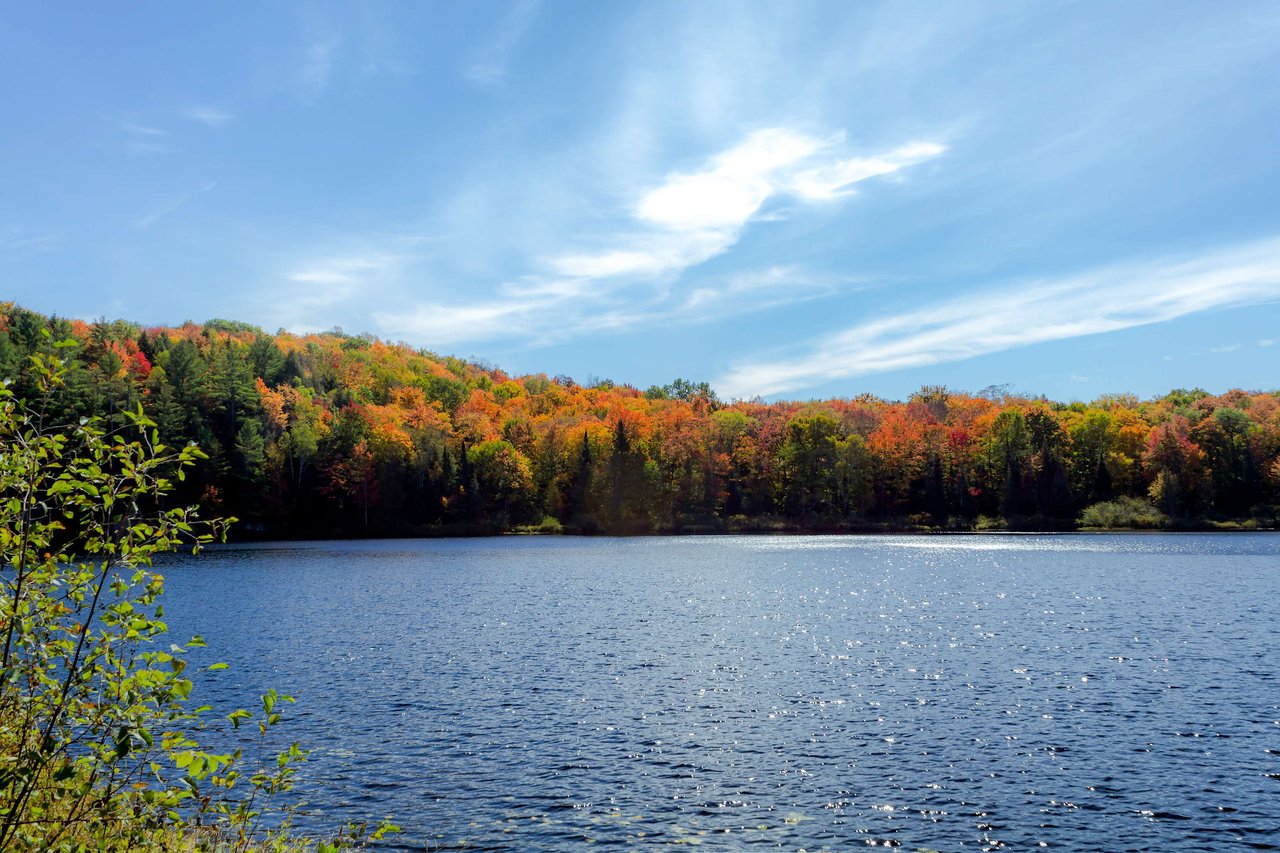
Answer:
(786, 199)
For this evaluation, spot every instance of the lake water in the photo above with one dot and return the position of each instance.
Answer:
(955, 693)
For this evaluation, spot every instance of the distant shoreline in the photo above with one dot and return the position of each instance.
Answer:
(801, 533)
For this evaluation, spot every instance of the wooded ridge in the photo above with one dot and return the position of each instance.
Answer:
(336, 435)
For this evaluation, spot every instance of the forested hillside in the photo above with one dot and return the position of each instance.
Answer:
(334, 435)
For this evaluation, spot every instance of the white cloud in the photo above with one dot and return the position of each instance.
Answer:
(648, 256)
(730, 191)
(1227, 348)
(1104, 300)
(835, 180)
(1267, 342)
(691, 217)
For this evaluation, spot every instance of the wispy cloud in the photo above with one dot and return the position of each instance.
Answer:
(1103, 300)
(141, 138)
(208, 115)
(444, 325)
(1227, 348)
(837, 179)
(548, 311)
(142, 129)
(489, 67)
(644, 273)
(332, 280)
(308, 294)
(691, 217)
(1267, 342)
(20, 242)
(144, 222)
(757, 290)
(314, 73)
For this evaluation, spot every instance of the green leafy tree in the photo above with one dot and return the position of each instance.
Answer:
(503, 476)
(1009, 461)
(1225, 439)
(810, 456)
(1091, 442)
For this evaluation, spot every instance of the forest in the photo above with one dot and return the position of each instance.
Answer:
(334, 435)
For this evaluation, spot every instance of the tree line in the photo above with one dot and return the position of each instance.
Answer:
(339, 435)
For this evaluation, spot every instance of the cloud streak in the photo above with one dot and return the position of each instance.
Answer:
(16, 242)
(489, 67)
(141, 138)
(547, 312)
(142, 223)
(142, 129)
(1104, 300)
(330, 281)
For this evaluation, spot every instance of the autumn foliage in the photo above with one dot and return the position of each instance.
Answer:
(330, 434)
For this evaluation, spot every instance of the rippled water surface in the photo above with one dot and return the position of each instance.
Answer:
(1075, 692)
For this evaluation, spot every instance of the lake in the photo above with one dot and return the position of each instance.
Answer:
(751, 692)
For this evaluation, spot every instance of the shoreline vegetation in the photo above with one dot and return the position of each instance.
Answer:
(338, 436)
(100, 736)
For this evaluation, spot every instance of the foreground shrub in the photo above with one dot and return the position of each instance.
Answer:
(1124, 513)
(98, 737)
(549, 525)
